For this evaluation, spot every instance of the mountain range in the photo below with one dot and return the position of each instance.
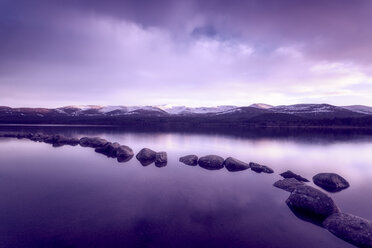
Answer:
(255, 114)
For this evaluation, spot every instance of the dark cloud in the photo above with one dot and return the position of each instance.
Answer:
(253, 44)
(333, 29)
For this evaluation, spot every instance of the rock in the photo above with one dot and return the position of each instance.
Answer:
(38, 137)
(146, 156)
(311, 204)
(161, 159)
(94, 142)
(288, 184)
(124, 159)
(352, 229)
(124, 152)
(260, 168)
(189, 160)
(290, 174)
(51, 139)
(21, 135)
(330, 182)
(211, 162)
(59, 140)
(110, 149)
(233, 164)
(9, 135)
(62, 140)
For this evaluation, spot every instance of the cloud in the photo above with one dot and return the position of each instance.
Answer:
(197, 53)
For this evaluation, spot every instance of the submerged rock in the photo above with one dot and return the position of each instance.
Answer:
(38, 137)
(110, 149)
(21, 135)
(260, 168)
(51, 139)
(311, 204)
(189, 160)
(352, 229)
(211, 162)
(94, 142)
(146, 156)
(55, 139)
(161, 159)
(288, 184)
(66, 141)
(8, 135)
(233, 164)
(59, 140)
(290, 174)
(330, 182)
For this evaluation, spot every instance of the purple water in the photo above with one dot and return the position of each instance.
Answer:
(74, 197)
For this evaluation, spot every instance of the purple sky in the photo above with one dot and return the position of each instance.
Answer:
(187, 52)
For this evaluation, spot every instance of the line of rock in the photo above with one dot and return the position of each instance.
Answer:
(145, 156)
(214, 162)
(312, 205)
(306, 202)
(122, 153)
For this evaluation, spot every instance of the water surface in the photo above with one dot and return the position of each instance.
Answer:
(74, 197)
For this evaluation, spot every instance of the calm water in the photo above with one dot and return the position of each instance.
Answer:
(74, 197)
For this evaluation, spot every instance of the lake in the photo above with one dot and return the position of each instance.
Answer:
(73, 197)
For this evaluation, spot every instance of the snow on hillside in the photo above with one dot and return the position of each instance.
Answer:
(304, 108)
(106, 109)
(184, 110)
(176, 110)
(359, 109)
(261, 106)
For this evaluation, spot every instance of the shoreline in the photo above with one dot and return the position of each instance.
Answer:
(193, 128)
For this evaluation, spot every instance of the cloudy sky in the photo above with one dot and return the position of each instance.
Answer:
(186, 52)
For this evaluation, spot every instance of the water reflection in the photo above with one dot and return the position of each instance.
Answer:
(71, 196)
(307, 216)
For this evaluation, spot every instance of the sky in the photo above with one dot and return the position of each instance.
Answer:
(195, 53)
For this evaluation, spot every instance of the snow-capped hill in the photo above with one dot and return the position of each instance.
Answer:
(326, 111)
(261, 106)
(305, 108)
(146, 111)
(107, 109)
(183, 110)
(79, 109)
(359, 109)
(310, 111)
(243, 112)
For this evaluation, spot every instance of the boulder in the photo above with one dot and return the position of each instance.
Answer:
(352, 229)
(110, 149)
(38, 137)
(21, 135)
(288, 184)
(51, 138)
(94, 142)
(290, 174)
(189, 160)
(311, 204)
(211, 162)
(161, 159)
(62, 140)
(233, 164)
(146, 156)
(260, 168)
(9, 135)
(124, 152)
(59, 140)
(330, 182)
(124, 159)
